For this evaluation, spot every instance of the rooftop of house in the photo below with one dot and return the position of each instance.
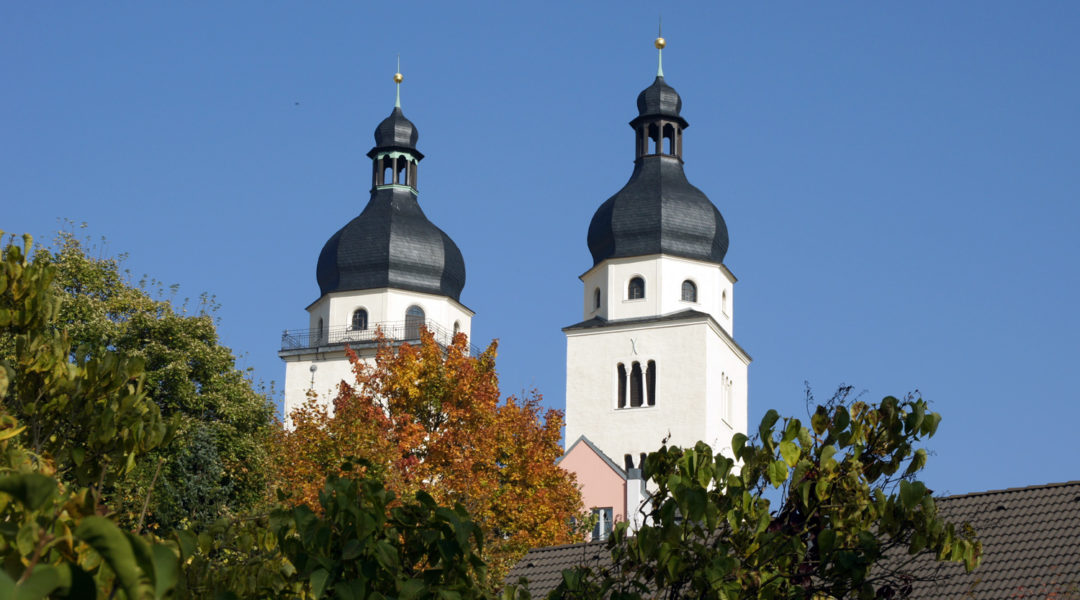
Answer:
(1030, 537)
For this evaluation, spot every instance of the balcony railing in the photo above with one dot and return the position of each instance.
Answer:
(392, 331)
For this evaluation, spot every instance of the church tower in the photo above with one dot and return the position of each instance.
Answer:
(655, 358)
(390, 269)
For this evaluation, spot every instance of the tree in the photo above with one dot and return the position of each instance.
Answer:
(851, 510)
(428, 418)
(218, 464)
(72, 422)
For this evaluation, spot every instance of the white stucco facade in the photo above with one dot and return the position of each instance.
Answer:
(333, 316)
(699, 374)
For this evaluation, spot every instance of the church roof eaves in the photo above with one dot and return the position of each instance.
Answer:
(689, 315)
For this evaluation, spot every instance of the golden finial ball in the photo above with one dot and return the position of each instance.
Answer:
(660, 43)
(398, 78)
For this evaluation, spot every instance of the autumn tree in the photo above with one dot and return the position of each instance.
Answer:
(429, 418)
(851, 511)
(218, 464)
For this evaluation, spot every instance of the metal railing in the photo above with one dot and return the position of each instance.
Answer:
(392, 331)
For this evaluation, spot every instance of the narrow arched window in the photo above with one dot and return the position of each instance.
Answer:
(723, 302)
(457, 327)
(635, 385)
(620, 372)
(319, 332)
(689, 291)
(359, 319)
(388, 174)
(636, 289)
(414, 319)
(669, 139)
(596, 299)
(650, 382)
(402, 170)
(654, 139)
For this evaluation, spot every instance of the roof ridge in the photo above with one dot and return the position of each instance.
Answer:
(1013, 489)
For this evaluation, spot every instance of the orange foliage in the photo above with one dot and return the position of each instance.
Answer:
(428, 417)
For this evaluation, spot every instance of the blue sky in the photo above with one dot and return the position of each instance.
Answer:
(900, 182)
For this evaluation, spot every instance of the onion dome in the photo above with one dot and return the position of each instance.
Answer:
(658, 211)
(392, 243)
(659, 100)
(396, 131)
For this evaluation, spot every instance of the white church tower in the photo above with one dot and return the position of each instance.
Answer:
(389, 269)
(655, 357)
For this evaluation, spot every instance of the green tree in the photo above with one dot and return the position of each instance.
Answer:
(218, 464)
(850, 510)
(72, 422)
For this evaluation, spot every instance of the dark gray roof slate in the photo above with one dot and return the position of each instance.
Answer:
(1030, 537)
(658, 211)
(391, 244)
(396, 131)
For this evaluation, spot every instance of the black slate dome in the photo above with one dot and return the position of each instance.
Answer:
(659, 99)
(392, 243)
(396, 131)
(658, 211)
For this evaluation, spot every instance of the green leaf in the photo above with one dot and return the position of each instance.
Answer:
(790, 452)
(43, 581)
(738, 442)
(31, 489)
(166, 570)
(411, 588)
(827, 540)
(110, 542)
(778, 472)
(318, 580)
(826, 460)
(911, 494)
(765, 429)
(820, 420)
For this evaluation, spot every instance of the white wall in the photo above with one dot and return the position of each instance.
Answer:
(385, 305)
(663, 277)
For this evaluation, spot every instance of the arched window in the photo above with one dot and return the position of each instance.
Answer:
(635, 385)
(402, 170)
(654, 137)
(414, 319)
(723, 301)
(689, 291)
(596, 299)
(359, 319)
(457, 327)
(621, 373)
(650, 382)
(388, 173)
(636, 289)
(319, 332)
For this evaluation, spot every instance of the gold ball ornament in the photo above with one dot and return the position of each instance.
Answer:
(398, 78)
(660, 43)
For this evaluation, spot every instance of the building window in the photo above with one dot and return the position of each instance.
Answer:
(650, 382)
(621, 373)
(689, 291)
(414, 319)
(635, 385)
(602, 529)
(723, 301)
(596, 299)
(636, 290)
(319, 332)
(359, 319)
(457, 327)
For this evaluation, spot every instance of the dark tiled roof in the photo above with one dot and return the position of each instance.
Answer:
(1030, 537)
(1031, 545)
(682, 315)
(543, 567)
(392, 244)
